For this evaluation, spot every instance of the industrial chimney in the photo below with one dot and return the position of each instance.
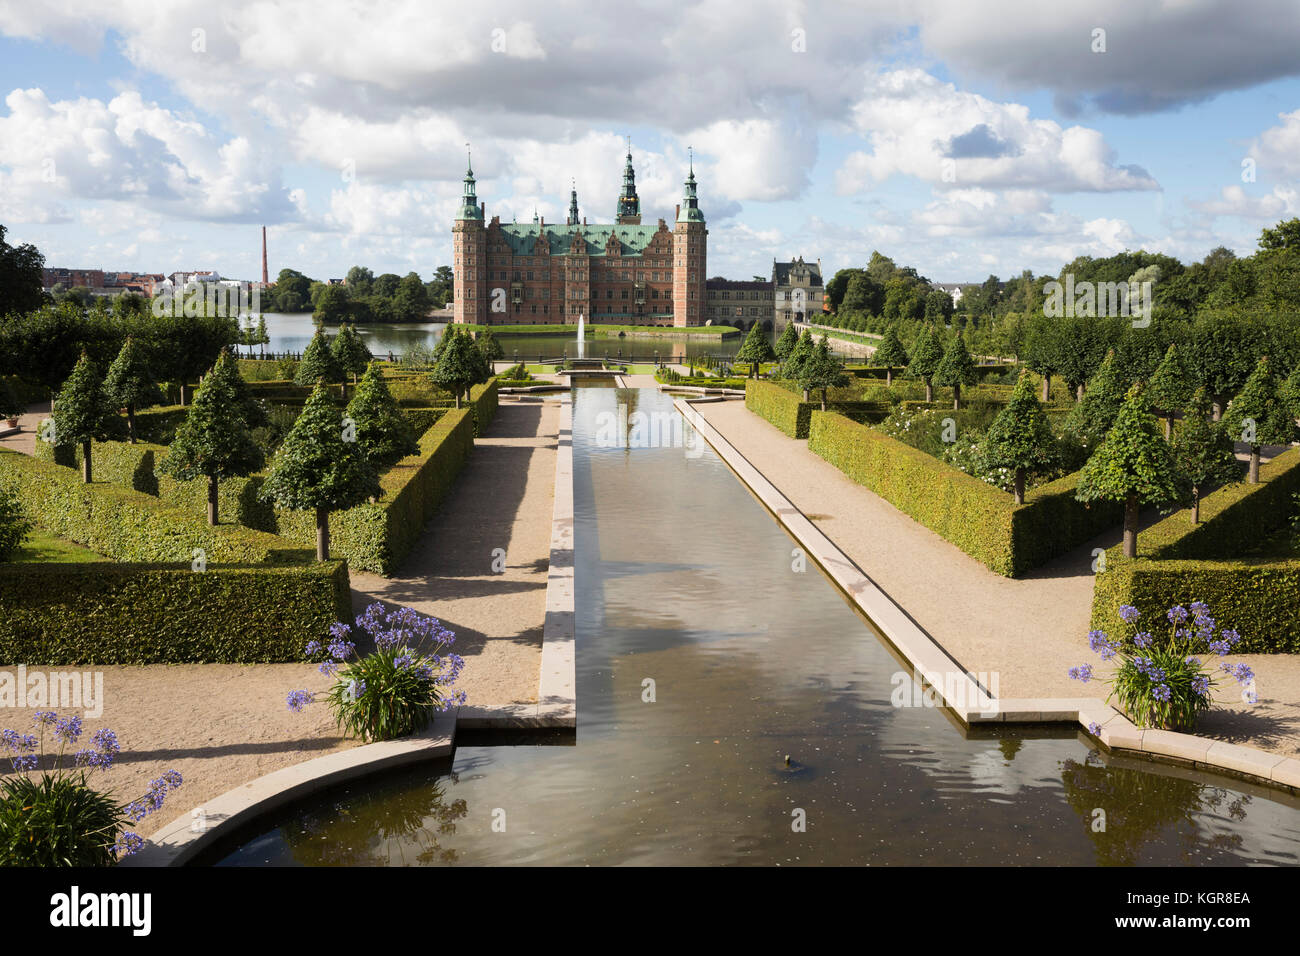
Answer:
(265, 277)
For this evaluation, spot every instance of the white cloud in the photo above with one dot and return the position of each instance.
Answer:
(920, 126)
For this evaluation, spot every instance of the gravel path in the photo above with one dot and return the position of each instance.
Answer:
(1028, 631)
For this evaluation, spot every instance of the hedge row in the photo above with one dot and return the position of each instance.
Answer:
(127, 525)
(483, 400)
(1256, 595)
(977, 517)
(789, 412)
(65, 614)
(119, 463)
(1234, 519)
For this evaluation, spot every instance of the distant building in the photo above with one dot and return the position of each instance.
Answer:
(738, 303)
(797, 291)
(952, 288)
(69, 278)
(620, 272)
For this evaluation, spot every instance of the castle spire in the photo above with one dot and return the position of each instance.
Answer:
(469, 207)
(629, 204)
(573, 204)
(690, 209)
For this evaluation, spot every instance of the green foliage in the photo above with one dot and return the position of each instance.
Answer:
(350, 353)
(927, 353)
(1133, 460)
(57, 819)
(129, 383)
(1258, 408)
(756, 349)
(784, 409)
(786, 342)
(956, 368)
(1092, 418)
(62, 614)
(382, 432)
(1021, 436)
(315, 468)
(821, 371)
(14, 526)
(11, 405)
(483, 402)
(318, 363)
(1170, 387)
(487, 344)
(1203, 450)
(459, 365)
(397, 701)
(890, 352)
(81, 412)
(971, 514)
(801, 352)
(214, 440)
(22, 277)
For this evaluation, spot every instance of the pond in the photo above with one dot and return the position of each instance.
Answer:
(292, 332)
(705, 660)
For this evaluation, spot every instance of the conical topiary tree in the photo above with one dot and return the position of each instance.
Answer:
(349, 352)
(213, 441)
(1203, 450)
(460, 364)
(318, 363)
(487, 344)
(821, 370)
(82, 413)
(1092, 416)
(1020, 437)
(785, 342)
(317, 469)
(1134, 465)
(927, 353)
(1258, 416)
(1170, 387)
(956, 369)
(129, 383)
(890, 353)
(802, 352)
(381, 430)
(755, 350)
(1289, 392)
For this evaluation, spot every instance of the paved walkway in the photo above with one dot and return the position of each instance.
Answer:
(502, 500)
(1027, 631)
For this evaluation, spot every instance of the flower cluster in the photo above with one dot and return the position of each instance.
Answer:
(1160, 683)
(153, 798)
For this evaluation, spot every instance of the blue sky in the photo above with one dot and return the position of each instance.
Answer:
(945, 137)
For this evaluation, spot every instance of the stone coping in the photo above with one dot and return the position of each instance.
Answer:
(702, 390)
(557, 694)
(181, 840)
(960, 691)
(529, 389)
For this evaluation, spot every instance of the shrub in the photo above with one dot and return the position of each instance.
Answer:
(58, 818)
(14, 526)
(784, 408)
(395, 690)
(483, 400)
(1160, 682)
(62, 614)
(383, 433)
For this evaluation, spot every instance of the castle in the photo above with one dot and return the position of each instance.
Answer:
(618, 273)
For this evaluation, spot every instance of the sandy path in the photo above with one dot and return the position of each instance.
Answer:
(1027, 631)
(502, 500)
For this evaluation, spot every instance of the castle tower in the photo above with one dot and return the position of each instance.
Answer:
(689, 257)
(573, 207)
(469, 247)
(629, 205)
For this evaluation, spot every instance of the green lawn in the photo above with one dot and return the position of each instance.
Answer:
(43, 548)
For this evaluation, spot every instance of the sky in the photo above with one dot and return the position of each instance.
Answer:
(962, 137)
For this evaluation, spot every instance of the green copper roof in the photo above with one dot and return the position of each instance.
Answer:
(632, 239)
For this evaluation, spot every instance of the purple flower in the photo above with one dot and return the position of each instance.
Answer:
(1097, 640)
(1201, 685)
(1142, 639)
(1241, 672)
(1081, 673)
(1129, 613)
(1230, 635)
(312, 648)
(1177, 614)
(1219, 647)
(1161, 692)
(1094, 728)
(298, 699)
(43, 718)
(104, 748)
(128, 844)
(68, 730)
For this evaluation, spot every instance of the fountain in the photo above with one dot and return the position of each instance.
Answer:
(582, 345)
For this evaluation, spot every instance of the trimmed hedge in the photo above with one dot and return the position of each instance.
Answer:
(789, 412)
(980, 519)
(63, 614)
(483, 400)
(127, 525)
(119, 463)
(1258, 596)
(1234, 519)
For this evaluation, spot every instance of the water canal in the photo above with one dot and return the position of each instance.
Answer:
(704, 660)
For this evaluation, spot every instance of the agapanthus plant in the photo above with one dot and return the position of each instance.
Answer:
(395, 690)
(1161, 681)
(58, 818)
